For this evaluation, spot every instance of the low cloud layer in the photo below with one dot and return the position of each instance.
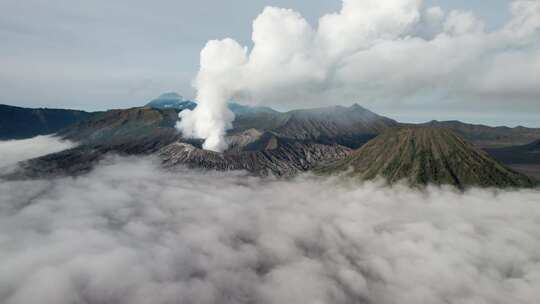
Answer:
(130, 232)
(13, 151)
(383, 50)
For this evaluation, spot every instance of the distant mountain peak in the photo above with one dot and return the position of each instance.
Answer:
(171, 100)
(356, 106)
(171, 95)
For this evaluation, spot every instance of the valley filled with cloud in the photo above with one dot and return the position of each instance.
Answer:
(14, 151)
(132, 232)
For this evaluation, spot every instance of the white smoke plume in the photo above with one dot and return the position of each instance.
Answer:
(373, 49)
(13, 151)
(131, 233)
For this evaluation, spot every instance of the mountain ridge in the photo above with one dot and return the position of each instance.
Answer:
(19, 123)
(262, 141)
(349, 126)
(486, 136)
(271, 120)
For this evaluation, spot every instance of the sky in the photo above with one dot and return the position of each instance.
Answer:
(97, 55)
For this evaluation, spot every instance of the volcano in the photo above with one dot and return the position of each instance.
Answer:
(421, 156)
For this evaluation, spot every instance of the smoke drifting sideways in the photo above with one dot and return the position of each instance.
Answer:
(369, 49)
(130, 232)
(13, 151)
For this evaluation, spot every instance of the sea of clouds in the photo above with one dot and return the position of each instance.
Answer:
(131, 232)
(13, 151)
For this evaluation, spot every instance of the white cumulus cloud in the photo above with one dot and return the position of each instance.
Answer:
(379, 50)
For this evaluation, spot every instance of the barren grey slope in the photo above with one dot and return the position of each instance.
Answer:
(267, 155)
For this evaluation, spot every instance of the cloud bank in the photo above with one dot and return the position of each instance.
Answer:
(131, 233)
(371, 49)
(13, 151)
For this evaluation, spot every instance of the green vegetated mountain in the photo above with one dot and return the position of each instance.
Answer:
(20, 123)
(421, 155)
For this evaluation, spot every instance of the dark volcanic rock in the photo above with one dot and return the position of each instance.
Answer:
(281, 157)
(349, 126)
(427, 156)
